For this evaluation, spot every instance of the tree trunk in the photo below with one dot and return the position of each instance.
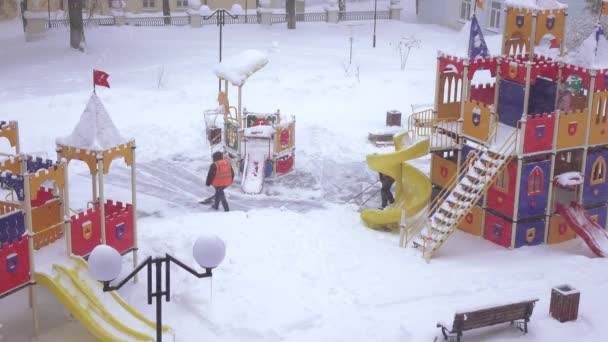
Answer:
(166, 12)
(342, 5)
(76, 24)
(291, 14)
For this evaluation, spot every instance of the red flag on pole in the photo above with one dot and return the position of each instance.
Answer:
(100, 78)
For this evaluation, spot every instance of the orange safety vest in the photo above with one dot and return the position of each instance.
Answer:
(223, 173)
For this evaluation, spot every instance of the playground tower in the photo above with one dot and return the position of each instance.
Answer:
(518, 159)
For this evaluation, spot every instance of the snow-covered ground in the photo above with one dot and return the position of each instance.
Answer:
(300, 265)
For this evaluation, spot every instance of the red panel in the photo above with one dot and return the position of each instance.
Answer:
(119, 226)
(14, 265)
(457, 63)
(601, 80)
(513, 70)
(483, 93)
(483, 63)
(86, 231)
(539, 132)
(498, 230)
(569, 70)
(504, 202)
(284, 164)
(43, 196)
(547, 69)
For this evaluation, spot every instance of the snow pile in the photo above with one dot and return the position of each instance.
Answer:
(262, 131)
(569, 179)
(95, 130)
(536, 4)
(237, 10)
(592, 53)
(236, 69)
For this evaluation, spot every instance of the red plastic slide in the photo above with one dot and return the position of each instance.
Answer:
(594, 236)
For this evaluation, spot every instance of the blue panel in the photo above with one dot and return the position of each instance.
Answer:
(534, 204)
(542, 97)
(510, 102)
(12, 227)
(268, 168)
(601, 215)
(35, 164)
(598, 193)
(530, 233)
(15, 182)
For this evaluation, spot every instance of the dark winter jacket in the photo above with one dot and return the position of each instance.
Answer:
(213, 169)
(386, 181)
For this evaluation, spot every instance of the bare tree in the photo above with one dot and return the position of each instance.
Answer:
(291, 14)
(76, 24)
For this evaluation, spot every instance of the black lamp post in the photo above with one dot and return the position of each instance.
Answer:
(104, 264)
(220, 15)
(375, 15)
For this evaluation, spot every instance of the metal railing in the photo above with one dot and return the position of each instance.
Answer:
(363, 15)
(88, 22)
(311, 17)
(158, 21)
(275, 18)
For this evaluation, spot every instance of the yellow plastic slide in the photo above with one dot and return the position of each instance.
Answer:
(104, 314)
(413, 188)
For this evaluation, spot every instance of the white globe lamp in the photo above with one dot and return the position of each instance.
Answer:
(209, 251)
(105, 263)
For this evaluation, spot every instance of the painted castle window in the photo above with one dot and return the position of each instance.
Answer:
(598, 171)
(601, 109)
(502, 181)
(535, 182)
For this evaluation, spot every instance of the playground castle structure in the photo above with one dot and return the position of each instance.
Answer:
(34, 216)
(258, 145)
(497, 148)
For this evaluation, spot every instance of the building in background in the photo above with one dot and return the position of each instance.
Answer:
(454, 13)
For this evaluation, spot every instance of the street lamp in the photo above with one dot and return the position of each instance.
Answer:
(220, 15)
(375, 15)
(105, 265)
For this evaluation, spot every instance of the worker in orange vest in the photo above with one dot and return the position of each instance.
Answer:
(220, 175)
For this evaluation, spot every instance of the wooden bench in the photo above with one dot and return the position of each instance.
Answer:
(518, 313)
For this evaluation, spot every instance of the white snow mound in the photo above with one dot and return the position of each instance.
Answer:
(236, 69)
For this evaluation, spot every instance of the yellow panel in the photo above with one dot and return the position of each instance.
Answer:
(598, 132)
(53, 173)
(571, 130)
(284, 141)
(442, 170)
(559, 230)
(449, 102)
(43, 218)
(476, 120)
(518, 30)
(87, 156)
(472, 221)
(12, 165)
(122, 151)
(10, 132)
(550, 22)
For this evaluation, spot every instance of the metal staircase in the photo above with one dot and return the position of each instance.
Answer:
(437, 223)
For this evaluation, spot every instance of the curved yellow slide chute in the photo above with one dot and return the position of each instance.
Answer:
(413, 187)
(104, 314)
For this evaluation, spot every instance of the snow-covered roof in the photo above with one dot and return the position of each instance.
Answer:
(236, 69)
(593, 51)
(95, 130)
(262, 131)
(536, 4)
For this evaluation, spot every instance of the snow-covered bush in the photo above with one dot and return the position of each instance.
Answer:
(237, 9)
(404, 46)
